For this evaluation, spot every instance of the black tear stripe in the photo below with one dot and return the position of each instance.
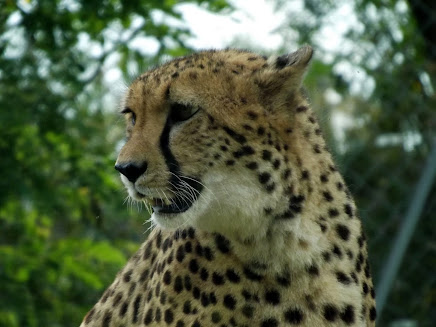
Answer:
(172, 163)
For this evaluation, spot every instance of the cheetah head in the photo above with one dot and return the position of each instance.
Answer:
(208, 140)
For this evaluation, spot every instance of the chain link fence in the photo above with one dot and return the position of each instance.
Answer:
(388, 157)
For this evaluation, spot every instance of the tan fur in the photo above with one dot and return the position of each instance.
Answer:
(272, 238)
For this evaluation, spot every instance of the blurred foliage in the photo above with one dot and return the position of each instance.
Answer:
(385, 72)
(64, 230)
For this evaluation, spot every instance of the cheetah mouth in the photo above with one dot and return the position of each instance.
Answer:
(186, 191)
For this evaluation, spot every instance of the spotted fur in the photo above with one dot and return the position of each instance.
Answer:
(254, 225)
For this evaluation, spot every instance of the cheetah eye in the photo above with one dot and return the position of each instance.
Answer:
(181, 112)
(129, 111)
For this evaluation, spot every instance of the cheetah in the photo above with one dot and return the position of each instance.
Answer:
(253, 223)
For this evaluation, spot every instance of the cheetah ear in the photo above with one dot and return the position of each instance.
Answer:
(298, 59)
(284, 74)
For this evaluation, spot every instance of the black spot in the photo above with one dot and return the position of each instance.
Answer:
(305, 175)
(247, 127)
(158, 315)
(248, 311)
(180, 323)
(187, 307)
(217, 278)
(284, 280)
(313, 270)
(276, 164)
(372, 292)
(188, 247)
(107, 319)
(166, 245)
(216, 317)
(188, 283)
(365, 288)
(180, 254)
(348, 210)
(178, 284)
(123, 309)
(205, 299)
(208, 253)
(250, 274)
(367, 270)
(327, 196)
(264, 177)
(372, 313)
(222, 243)
(343, 232)
(237, 137)
(196, 292)
(270, 187)
(339, 186)
(175, 75)
(117, 299)
(212, 298)
(326, 256)
(286, 173)
(348, 315)
(353, 275)
(167, 277)
(266, 155)
(252, 165)
(136, 308)
(204, 274)
(337, 251)
(316, 148)
(333, 212)
(343, 278)
(260, 131)
(301, 109)
(323, 227)
(199, 250)
(159, 240)
(163, 297)
(272, 297)
(330, 312)
(193, 266)
(244, 151)
(191, 232)
(360, 241)
(127, 276)
(148, 317)
(232, 276)
(229, 302)
(168, 316)
(294, 316)
(323, 178)
(252, 115)
(294, 207)
(271, 322)
(267, 210)
(89, 316)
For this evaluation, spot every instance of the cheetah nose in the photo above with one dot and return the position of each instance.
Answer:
(131, 170)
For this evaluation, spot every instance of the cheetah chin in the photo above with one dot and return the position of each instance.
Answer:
(186, 194)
